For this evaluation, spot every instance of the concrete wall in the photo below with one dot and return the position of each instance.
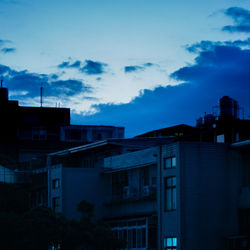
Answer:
(209, 189)
(81, 184)
(215, 170)
(7, 175)
(169, 223)
(133, 159)
(208, 184)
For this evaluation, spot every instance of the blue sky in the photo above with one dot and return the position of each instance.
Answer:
(139, 64)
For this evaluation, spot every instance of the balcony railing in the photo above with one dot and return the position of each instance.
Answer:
(131, 194)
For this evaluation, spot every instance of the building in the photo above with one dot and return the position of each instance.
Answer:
(32, 132)
(174, 195)
(76, 174)
(182, 195)
(28, 134)
(188, 194)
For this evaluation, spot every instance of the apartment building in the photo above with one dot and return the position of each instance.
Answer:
(166, 195)
(182, 195)
(76, 174)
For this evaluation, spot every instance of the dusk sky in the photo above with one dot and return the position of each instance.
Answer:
(140, 64)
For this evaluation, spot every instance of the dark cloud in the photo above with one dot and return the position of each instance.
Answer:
(5, 70)
(88, 67)
(76, 64)
(8, 50)
(210, 45)
(30, 84)
(130, 69)
(64, 65)
(223, 70)
(67, 65)
(241, 18)
(3, 42)
(136, 68)
(149, 64)
(93, 68)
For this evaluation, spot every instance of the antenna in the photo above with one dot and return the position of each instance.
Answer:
(41, 97)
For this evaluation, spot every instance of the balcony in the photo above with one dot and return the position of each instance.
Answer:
(131, 194)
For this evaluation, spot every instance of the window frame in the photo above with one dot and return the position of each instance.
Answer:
(56, 204)
(172, 245)
(173, 160)
(56, 183)
(173, 198)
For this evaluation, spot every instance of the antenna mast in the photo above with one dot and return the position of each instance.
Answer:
(41, 97)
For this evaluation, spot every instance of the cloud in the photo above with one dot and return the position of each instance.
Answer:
(8, 50)
(136, 68)
(129, 69)
(88, 67)
(76, 64)
(3, 42)
(67, 65)
(64, 65)
(210, 45)
(29, 84)
(241, 18)
(93, 68)
(221, 70)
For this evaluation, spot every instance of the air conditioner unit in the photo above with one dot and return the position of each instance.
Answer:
(129, 192)
(146, 191)
(126, 192)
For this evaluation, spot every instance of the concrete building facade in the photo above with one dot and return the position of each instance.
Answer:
(176, 195)
(197, 196)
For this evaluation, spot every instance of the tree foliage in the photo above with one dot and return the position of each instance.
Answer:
(38, 228)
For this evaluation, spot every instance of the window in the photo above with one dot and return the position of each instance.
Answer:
(170, 243)
(72, 134)
(134, 233)
(170, 193)
(119, 181)
(170, 162)
(56, 204)
(56, 183)
(39, 134)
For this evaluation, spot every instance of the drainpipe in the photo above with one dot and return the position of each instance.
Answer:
(160, 199)
(48, 162)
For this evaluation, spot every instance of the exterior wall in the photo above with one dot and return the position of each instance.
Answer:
(76, 184)
(207, 184)
(55, 173)
(81, 184)
(90, 133)
(131, 160)
(7, 175)
(169, 223)
(79, 180)
(210, 188)
(244, 159)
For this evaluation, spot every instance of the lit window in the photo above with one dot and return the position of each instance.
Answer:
(170, 193)
(170, 162)
(170, 243)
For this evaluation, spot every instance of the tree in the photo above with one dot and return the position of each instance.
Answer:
(24, 228)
